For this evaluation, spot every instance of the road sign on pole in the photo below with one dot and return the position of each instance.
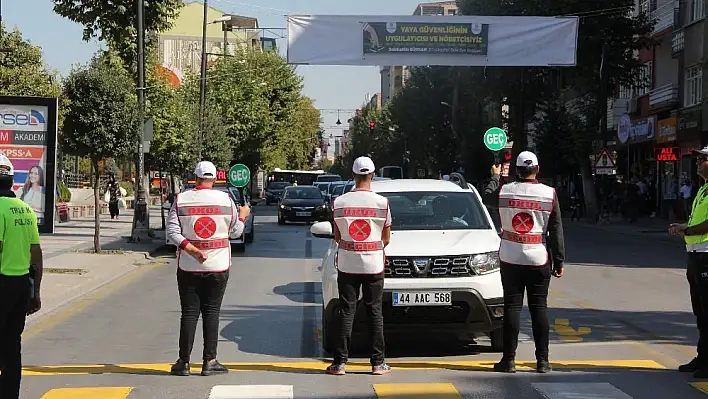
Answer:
(495, 139)
(239, 175)
(604, 165)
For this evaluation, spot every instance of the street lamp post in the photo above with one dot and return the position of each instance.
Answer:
(141, 218)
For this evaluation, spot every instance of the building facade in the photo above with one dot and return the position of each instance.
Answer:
(180, 48)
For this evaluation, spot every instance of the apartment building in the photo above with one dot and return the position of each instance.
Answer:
(180, 48)
(655, 127)
(393, 78)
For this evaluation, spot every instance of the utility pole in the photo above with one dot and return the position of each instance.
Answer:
(141, 219)
(603, 96)
(202, 88)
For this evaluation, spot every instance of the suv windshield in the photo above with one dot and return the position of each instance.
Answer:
(278, 185)
(302, 193)
(436, 211)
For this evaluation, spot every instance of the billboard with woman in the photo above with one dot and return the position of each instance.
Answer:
(28, 133)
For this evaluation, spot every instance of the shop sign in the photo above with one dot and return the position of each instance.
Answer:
(666, 154)
(630, 131)
(666, 130)
(689, 120)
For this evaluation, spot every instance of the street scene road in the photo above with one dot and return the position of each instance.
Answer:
(620, 316)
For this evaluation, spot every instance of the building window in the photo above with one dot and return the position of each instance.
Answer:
(644, 6)
(693, 89)
(697, 10)
(645, 80)
(625, 92)
(452, 12)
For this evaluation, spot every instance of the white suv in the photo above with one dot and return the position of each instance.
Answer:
(442, 265)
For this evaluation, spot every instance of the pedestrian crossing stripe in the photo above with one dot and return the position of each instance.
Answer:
(549, 390)
(465, 365)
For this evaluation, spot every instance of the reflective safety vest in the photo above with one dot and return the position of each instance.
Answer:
(524, 209)
(699, 214)
(360, 216)
(206, 218)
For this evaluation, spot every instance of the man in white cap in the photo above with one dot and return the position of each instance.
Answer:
(532, 250)
(20, 278)
(200, 223)
(695, 234)
(362, 229)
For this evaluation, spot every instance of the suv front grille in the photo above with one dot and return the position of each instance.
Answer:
(439, 266)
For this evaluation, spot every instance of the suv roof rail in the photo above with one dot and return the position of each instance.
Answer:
(459, 180)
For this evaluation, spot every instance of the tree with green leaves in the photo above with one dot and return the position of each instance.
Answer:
(116, 23)
(101, 119)
(303, 124)
(23, 72)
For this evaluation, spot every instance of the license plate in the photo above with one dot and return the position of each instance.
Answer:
(422, 298)
(303, 213)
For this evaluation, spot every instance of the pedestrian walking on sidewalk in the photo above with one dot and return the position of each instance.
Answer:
(114, 195)
(695, 234)
(20, 278)
(362, 229)
(531, 228)
(200, 223)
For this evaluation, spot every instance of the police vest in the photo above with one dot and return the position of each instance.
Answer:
(360, 216)
(206, 217)
(524, 209)
(699, 214)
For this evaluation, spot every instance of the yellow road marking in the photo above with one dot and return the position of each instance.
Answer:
(88, 393)
(701, 386)
(473, 365)
(427, 391)
(567, 333)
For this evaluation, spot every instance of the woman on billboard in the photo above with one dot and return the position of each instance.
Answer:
(32, 192)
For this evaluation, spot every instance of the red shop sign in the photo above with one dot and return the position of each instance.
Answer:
(666, 154)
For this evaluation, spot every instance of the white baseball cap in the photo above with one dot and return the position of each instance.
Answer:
(363, 166)
(527, 159)
(6, 168)
(702, 151)
(205, 170)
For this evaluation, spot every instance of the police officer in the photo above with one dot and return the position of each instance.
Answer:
(695, 234)
(362, 229)
(200, 223)
(20, 278)
(531, 226)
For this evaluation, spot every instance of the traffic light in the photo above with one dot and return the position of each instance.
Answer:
(372, 126)
(507, 156)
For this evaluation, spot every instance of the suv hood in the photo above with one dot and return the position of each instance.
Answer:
(442, 242)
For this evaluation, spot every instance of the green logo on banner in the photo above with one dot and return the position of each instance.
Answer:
(495, 139)
(239, 175)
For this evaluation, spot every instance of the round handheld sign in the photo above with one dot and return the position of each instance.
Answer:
(495, 139)
(239, 175)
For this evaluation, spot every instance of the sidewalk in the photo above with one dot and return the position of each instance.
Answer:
(655, 229)
(72, 274)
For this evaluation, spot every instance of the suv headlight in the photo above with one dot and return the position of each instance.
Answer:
(484, 263)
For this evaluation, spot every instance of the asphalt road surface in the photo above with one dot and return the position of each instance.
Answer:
(621, 324)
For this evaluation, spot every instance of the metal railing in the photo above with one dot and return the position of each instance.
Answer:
(664, 17)
(663, 95)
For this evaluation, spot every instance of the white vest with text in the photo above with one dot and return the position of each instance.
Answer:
(360, 217)
(206, 217)
(524, 209)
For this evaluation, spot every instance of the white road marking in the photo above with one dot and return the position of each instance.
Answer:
(591, 390)
(251, 392)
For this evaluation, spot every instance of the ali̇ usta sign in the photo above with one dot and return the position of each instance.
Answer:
(667, 154)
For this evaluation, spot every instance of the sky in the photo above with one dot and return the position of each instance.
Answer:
(331, 87)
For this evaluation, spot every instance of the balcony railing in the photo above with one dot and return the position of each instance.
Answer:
(677, 42)
(664, 17)
(664, 95)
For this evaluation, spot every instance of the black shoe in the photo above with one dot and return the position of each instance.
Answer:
(505, 366)
(689, 367)
(543, 367)
(181, 367)
(212, 367)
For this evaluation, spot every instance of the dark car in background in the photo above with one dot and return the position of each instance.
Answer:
(274, 191)
(302, 204)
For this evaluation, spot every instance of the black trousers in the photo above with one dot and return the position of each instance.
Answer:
(371, 286)
(200, 293)
(14, 300)
(697, 274)
(534, 280)
(113, 208)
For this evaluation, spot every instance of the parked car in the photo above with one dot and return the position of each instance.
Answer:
(302, 204)
(239, 243)
(441, 267)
